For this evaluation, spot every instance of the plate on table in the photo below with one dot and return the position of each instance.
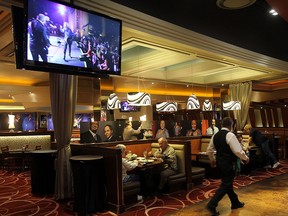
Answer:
(143, 160)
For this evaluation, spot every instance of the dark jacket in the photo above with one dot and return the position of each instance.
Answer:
(88, 138)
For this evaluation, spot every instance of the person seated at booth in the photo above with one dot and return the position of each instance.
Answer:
(162, 131)
(213, 128)
(127, 165)
(194, 130)
(167, 154)
(91, 135)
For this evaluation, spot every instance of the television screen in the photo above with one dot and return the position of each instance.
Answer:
(125, 107)
(70, 39)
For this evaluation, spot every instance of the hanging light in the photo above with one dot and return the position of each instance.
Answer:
(207, 105)
(232, 105)
(113, 102)
(139, 99)
(166, 107)
(193, 103)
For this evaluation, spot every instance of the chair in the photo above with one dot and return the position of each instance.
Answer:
(8, 161)
(38, 147)
(26, 159)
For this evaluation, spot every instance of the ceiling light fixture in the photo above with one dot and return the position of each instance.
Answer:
(166, 107)
(139, 99)
(207, 105)
(232, 105)
(193, 102)
(113, 102)
(234, 4)
(273, 12)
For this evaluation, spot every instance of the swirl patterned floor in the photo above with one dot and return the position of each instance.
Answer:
(16, 198)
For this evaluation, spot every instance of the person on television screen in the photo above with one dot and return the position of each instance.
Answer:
(18, 122)
(213, 128)
(194, 130)
(68, 38)
(38, 38)
(29, 123)
(129, 133)
(91, 135)
(162, 131)
(108, 131)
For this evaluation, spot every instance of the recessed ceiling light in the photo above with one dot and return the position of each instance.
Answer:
(273, 12)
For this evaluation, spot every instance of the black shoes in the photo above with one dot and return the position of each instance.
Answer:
(212, 210)
(238, 205)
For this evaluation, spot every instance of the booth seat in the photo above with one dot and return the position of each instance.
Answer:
(131, 191)
(198, 174)
(202, 161)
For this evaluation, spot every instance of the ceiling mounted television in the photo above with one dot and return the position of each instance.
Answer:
(125, 107)
(63, 38)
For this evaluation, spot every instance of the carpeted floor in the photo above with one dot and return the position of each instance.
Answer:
(267, 197)
(16, 198)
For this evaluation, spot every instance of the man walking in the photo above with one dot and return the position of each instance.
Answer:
(227, 149)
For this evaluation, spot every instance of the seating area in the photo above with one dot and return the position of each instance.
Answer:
(120, 195)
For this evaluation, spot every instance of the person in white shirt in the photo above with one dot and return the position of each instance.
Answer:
(127, 165)
(227, 149)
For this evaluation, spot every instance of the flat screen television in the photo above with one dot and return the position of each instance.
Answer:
(125, 107)
(61, 37)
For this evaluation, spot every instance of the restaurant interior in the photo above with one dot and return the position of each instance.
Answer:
(215, 52)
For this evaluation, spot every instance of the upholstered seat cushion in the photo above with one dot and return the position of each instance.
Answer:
(197, 170)
(131, 190)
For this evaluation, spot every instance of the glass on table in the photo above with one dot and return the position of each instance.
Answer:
(145, 154)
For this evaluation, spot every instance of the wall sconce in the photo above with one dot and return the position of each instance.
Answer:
(207, 105)
(113, 102)
(11, 125)
(193, 103)
(143, 118)
(166, 107)
(232, 105)
(138, 99)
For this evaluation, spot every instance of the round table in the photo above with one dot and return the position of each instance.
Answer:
(43, 171)
(89, 187)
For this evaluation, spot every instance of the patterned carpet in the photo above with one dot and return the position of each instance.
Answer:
(16, 198)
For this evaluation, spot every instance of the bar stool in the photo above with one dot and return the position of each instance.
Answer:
(7, 160)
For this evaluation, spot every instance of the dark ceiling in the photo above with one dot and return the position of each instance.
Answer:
(251, 28)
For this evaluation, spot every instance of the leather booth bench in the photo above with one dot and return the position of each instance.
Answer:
(182, 179)
(202, 159)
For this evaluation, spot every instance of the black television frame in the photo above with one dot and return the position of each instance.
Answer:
(62, 68)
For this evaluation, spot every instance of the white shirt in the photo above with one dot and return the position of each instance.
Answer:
(234, 144)
(209, 130)
(127, 166)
